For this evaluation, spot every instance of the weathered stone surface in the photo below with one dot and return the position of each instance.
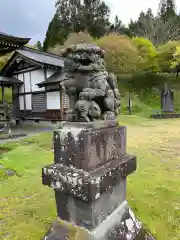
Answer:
(89, 146)
(62, 230)
(167, 96)
(129, 228)
(88, 186)
(95, 92)
(165, 115)
(90, 215)
(120, 225)
(83, 48)
(10, 172)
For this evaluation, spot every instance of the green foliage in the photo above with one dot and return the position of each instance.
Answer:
(159, 29)
(153, 49)
(165, 55)
(148, 53)
(31, 46)
(176, 58)
(121, 54)
(119, 28)
(76, 16)
(57, 31)
(139, 107)
(38, 46)
(145, 82)
(73, 39)
(144, 25)
(7, 94)
(167, 9)
(4, 59)
(95, 17)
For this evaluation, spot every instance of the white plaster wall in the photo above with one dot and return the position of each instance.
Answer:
(37, 77)
(53, 100)
(15, 76)
(21, 102)
(27, 82)
(28, 99)
(21, 78)
(50, 72)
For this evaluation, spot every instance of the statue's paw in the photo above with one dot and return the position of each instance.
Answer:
(82, 106)
(86, 95)
(87, 90)
(84, 119)
(94, 110)
(109, 103)
(117, 93)
(117, 103)
(83, 94)
(109, 116)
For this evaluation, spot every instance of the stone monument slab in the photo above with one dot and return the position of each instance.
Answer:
(167, 98)
(89, 147)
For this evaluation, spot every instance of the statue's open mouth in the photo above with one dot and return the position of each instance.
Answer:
(85, 62)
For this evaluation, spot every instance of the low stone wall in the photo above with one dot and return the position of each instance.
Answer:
(165, 115)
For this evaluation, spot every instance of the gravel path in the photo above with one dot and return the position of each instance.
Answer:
(30, 129)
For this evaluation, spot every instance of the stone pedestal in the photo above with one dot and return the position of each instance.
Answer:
(89, 179)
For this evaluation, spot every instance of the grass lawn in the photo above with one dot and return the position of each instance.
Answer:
(27, 207)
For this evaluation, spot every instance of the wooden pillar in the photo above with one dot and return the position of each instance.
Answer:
(129, 103)
(3, 103)
(2, 89)
(61, 105)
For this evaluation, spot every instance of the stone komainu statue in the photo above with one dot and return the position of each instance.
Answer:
(96, 92)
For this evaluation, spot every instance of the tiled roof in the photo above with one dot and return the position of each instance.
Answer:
(9, 81)
(10, 43)
(12, 39)
(41, 57)
(55, 78)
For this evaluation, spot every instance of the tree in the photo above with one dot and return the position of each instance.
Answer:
(70, 13)
(175, 63)
(58, 30)
(119, 28)
(73, 39)
(171, 8)
(165, 55)
(148, 54)
(4, 59)
(162, 9)
(143, 27)
(167, 9)
(167, 24)
(160, 29)
(95, 17)
(39, 46)
(31, 46)
(77, 16)
(166, 31)
(121, 54)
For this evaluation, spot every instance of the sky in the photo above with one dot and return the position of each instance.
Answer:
(30, 18)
